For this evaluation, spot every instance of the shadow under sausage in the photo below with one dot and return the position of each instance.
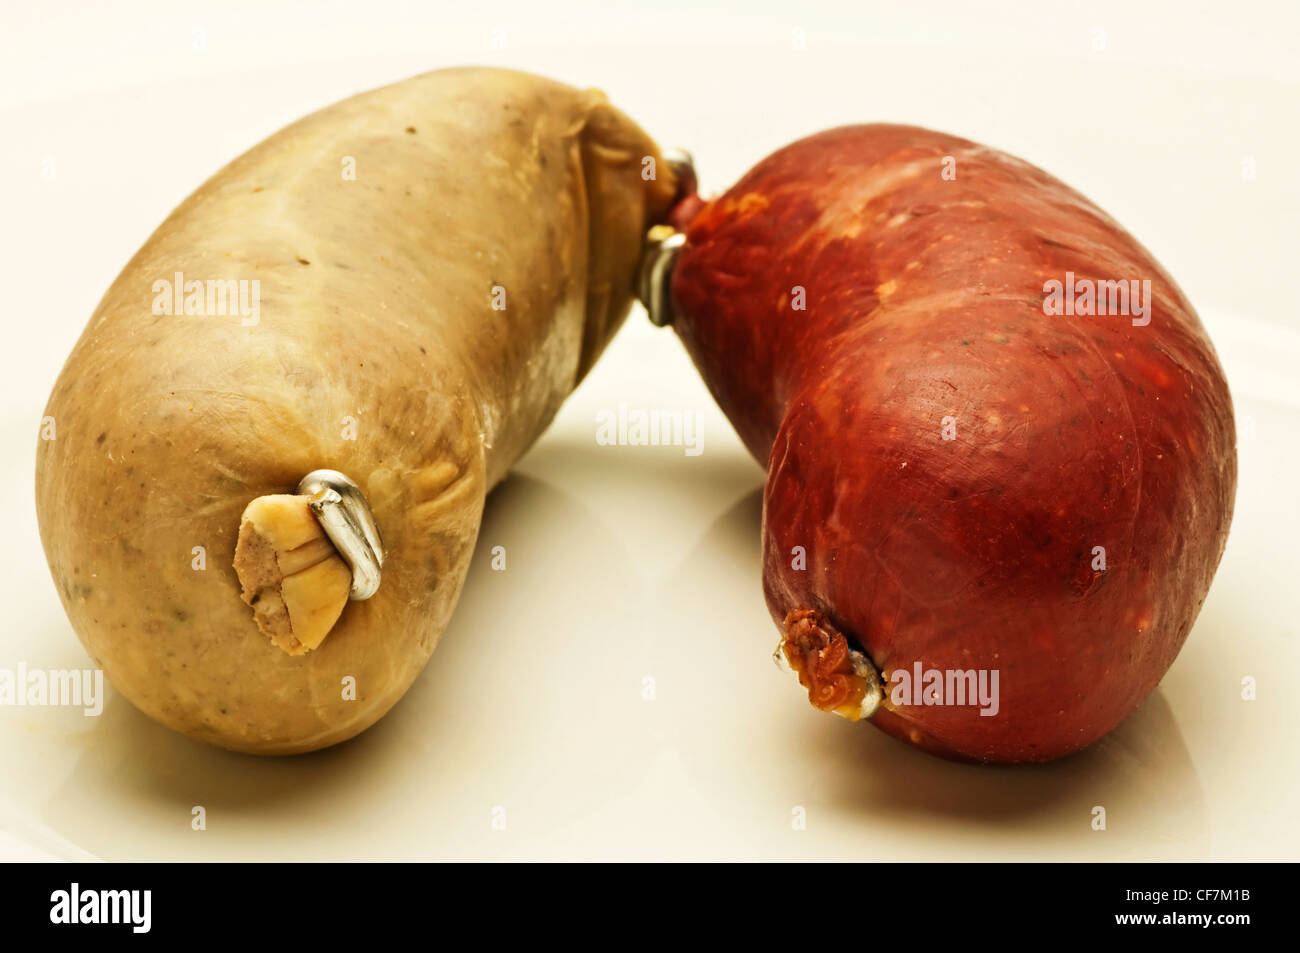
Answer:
(525, 710)
(472, 733)
(773, 741)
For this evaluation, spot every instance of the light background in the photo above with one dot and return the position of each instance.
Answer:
(633, 562)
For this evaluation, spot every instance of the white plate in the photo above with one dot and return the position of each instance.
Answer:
(630, 563)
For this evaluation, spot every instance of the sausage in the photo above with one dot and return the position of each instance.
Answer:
(423, 273)
(968, 473)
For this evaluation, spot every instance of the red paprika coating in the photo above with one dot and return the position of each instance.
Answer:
(925, 318)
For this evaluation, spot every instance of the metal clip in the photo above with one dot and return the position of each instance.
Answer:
(662, 243)
(344, 514)
(682, 164)
(864, 669)
(655, 280)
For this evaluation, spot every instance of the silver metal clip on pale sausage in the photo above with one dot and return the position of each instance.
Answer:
(662, 243)
(344, 514)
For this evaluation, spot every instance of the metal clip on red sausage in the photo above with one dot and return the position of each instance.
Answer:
(1000, 448)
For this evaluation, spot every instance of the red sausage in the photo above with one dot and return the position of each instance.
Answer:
(961, 478)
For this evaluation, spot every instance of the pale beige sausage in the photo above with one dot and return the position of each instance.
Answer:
(377, 351)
